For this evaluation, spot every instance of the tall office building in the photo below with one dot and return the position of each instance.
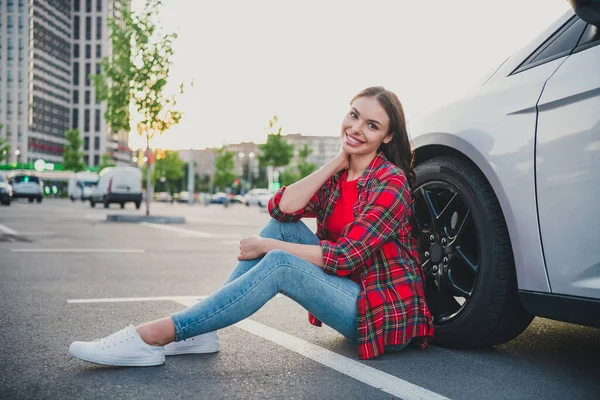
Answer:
(89, 45)
(48, 49)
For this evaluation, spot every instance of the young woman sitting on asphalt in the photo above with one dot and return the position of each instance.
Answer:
(359, 274)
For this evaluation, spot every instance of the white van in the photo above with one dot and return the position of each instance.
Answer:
(81, 185)
(118, 185)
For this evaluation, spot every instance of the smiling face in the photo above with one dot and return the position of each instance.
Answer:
(365, 127)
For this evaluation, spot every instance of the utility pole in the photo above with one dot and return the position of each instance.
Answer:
(191, 177)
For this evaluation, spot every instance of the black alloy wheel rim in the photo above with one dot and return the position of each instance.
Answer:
(449, 247)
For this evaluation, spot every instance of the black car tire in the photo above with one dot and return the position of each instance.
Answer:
(39, 199)
(92, 203)
(494, 314)
(138, 205)
(30, 199)
(122, 205)
(6, 202)
(72, 199)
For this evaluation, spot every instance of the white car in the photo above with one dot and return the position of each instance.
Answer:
(257, 197)
(27, 186)
(508, 188)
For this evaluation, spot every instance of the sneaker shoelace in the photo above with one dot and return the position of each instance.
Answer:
(115, 339)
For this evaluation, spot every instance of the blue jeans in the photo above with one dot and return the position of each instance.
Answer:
(332, 299)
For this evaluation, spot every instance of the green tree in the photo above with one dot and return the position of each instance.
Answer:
(305, 168)
(224, 168)
(277, 152)
(288, 176)
(168, 166)
(106, 161)
(136, 75)
(72, 154)
(4, 147)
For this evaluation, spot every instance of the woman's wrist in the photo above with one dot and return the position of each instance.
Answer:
(268, 245)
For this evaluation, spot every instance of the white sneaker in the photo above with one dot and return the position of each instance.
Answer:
(206, 343)
(123, 348)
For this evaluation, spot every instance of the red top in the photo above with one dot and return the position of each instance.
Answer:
(343, 211)
(379, 247)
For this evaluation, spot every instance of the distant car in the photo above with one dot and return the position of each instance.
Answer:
(6, 191)
(218, 198)
(27, 186)
(237, 199)
(184, 197)
(118, 185)
(164, 197)
(506, 195)
(81, 185)
(257, 196)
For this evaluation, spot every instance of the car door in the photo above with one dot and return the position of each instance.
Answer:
(568, 170)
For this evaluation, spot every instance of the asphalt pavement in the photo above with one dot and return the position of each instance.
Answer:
(66, 274)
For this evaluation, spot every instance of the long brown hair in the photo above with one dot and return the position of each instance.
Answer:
(398, 150)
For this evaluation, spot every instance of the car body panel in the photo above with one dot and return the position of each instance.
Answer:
(27, 186)
(568, 175)
(494, 126)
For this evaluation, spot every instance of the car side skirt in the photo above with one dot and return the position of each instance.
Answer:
(576, 310)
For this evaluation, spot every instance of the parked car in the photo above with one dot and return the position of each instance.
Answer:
(164, 197)
(121, 185)
(254, 197)
(81, 185)
(237, 199)
(506, 196)
(6, 191)
(184, 197)
(218, 198)
(27, 186)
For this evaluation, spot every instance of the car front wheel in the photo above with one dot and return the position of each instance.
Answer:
(471, 285)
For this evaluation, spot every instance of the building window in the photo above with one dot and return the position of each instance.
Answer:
(88, 28)
(21, 24)
(88, 51)
(99, 28)
(99, 5)
(97, 143)
(10, 5)
(21, 5)
(77, 5)
(87, 97)
(88, 6)
(97, 120)
(88, 72)
(96, 160)
(86, 143)
(76, 27)
(75, 73)
(9, 25)
(98, 51)
(75, 122)
(75, 96)
(86, 160)
(76, 50)
(86, 121)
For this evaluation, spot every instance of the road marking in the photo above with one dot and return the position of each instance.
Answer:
(37, 233)
(178, 230)
(354, 369)
(7, 230)
(130, 299)
(361, 372)
(188, 232)
(78, 250)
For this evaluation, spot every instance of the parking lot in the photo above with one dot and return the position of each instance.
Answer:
(66, 274)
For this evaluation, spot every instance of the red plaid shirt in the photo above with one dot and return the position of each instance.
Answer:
(379, 247)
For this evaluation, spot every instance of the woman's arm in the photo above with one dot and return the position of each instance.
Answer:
(255, 246)
(297, 195)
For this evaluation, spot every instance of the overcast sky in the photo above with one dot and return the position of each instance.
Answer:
(304, 60)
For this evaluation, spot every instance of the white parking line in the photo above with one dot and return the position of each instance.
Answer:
(78, 251)
(354, 369)
(7, 230)
(178, 230)
(129, 299)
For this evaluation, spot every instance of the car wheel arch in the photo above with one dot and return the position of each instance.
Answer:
(454, 146)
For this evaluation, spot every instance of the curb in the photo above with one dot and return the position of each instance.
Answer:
(154, 219)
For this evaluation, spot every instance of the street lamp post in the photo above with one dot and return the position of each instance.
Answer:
(17, 152)
(250, 157)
